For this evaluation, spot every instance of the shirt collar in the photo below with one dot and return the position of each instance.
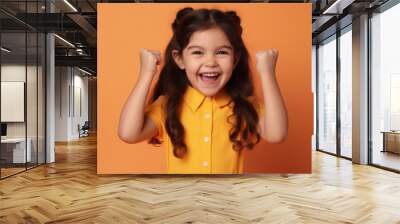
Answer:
(195, 98)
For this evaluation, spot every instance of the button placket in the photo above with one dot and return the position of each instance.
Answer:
(207, 119)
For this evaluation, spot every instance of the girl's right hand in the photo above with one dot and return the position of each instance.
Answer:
(149, 59)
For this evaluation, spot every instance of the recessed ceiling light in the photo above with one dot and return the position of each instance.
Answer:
(84, 71)
(5, 50)
(70, 5)
(64, 40)
(337, 7)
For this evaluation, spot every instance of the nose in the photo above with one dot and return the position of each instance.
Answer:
(211, 61)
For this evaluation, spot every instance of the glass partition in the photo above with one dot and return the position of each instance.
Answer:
(22, 89)
(346, 93)
(13, 104)
(385, 88)
(327, 95)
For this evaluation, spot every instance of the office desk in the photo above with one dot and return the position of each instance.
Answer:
(13, 150)
(391, 141)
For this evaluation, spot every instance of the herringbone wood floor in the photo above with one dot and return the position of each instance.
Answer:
(69, 191)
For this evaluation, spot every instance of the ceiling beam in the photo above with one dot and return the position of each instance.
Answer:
(84, 24)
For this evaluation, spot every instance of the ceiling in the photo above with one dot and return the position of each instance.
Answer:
(76, 22)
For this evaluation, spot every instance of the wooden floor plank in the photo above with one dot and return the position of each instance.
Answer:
(70, 191)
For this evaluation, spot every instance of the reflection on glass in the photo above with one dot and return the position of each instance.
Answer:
(314, 66)
(14, 153)
(327, 96)
(386, 88)
(22, 89)
(346, 94)
(395, 101)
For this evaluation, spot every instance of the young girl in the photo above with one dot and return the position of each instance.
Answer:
(203, 107)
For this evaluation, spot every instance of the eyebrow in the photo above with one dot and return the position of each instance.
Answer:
(223, 46)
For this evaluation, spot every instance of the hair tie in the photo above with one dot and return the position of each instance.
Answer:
(235, 19)
(179, 16)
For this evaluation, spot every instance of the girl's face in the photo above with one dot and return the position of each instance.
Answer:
(208, 60)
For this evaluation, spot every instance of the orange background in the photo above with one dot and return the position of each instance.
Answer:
(125, 28)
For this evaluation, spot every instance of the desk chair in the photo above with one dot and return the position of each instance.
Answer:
(84, 130)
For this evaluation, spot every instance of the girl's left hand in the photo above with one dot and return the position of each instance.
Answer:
(266, 61)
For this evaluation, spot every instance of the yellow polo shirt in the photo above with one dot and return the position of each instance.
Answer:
(209, 150)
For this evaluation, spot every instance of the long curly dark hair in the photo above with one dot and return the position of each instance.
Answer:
(173, 82)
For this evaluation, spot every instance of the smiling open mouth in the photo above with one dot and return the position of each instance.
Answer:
(209, 76)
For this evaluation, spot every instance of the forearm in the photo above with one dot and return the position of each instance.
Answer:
(132, 115)
(275, 117)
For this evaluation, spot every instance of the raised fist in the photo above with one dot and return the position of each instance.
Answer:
(266, 61)
(149, 59)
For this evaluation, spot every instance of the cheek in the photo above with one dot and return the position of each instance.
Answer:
(227, 64)
(192, 67)
(191, 71)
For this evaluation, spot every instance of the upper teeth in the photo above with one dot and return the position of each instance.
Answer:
(210, 74)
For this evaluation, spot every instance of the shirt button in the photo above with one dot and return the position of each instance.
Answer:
(205, 163)
(206, 139)
(207, 115)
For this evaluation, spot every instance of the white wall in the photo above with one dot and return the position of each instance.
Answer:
(79, 117)
(61, 103)
(12, 73)
(71, 93)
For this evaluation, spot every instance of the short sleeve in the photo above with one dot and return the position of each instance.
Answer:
(155, 112)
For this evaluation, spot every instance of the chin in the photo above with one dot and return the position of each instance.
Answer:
(209, 92)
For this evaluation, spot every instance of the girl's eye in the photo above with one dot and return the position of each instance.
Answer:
(197, 52)
(222, 52)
